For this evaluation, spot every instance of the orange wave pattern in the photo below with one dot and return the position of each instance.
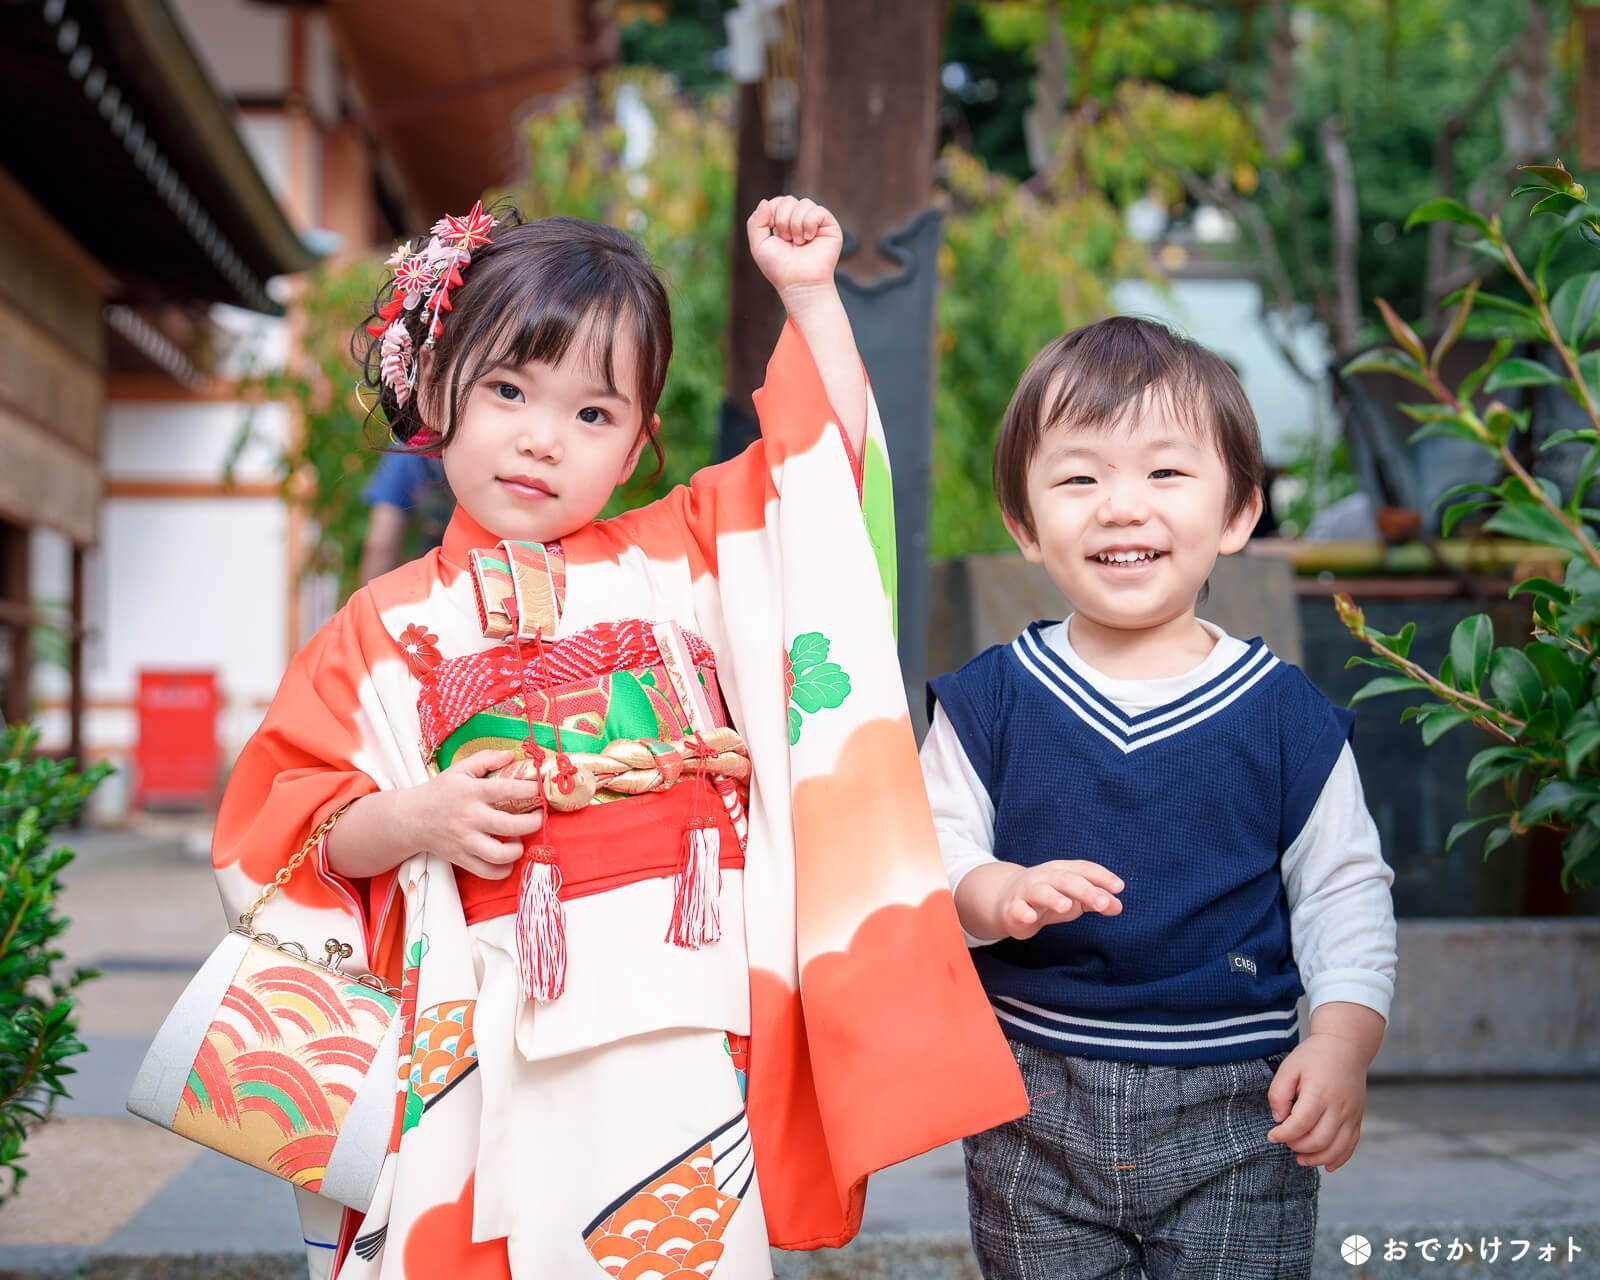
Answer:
(443, 1047)
(287, 1045)
(670, 1229)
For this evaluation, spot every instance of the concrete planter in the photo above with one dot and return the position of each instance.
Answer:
(1495, 997)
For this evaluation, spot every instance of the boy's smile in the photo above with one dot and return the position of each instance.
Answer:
(1128, 521)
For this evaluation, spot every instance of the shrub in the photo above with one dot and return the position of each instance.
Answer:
(1539, 701)
(37, 1030)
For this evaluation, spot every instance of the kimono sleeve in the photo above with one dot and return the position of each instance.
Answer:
(317, 749)
(801, 444)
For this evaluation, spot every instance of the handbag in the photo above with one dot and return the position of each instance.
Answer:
(280, 1061)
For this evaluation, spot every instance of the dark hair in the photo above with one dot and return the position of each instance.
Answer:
(528, 295)
(1094, 375)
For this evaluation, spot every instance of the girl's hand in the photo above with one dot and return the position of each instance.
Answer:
(464, 816)
(796, 244)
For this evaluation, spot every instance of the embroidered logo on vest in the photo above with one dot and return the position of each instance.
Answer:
(1238, 962)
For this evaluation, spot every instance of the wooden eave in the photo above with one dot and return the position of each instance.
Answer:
(443, 86)
(120, 133)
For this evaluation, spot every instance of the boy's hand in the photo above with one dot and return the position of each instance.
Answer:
(1318, 1097)
(462, 815)
(1023, 900)
(796, 244)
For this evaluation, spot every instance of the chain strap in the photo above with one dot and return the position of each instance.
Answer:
(290, 867)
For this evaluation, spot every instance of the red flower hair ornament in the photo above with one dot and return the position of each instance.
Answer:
(423, 279)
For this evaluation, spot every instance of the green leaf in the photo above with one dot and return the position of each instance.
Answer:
(1388, 360)
(1494, 302)
(1494, 763)
(1399, 643)
(1543, 588)
(1386, 684)
(1574, 308)
(1444, 209)
(1532, 524)
(1471, 487)
(1440, 723)
(794, 725)
(1587, 435)
(1454, 513)
(1579, 746)
(1461, 828)
(1515, 681)
(1430, 412)
(1456, 429)
(1471, 645)
(1518, 372)
(1556, 202)
(1577, 850)
(1554, 799)
(1558, 667)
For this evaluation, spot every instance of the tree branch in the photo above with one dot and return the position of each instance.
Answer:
(1346, 234)
(1444, 184)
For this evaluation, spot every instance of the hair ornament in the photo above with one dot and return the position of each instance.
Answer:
(423, 278)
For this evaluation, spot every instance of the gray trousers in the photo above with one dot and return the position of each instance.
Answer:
(1121, 1170)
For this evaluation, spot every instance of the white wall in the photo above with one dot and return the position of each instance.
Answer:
(1225, 316)
(192, 441)
(199, 579)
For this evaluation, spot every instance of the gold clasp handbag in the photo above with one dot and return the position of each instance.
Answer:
(280, 1061)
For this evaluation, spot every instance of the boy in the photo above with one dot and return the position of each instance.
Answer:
(1139, 814)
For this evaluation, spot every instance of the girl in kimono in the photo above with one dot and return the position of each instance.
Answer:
(629, 810)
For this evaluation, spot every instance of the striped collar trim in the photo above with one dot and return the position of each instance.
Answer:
(1125, 733)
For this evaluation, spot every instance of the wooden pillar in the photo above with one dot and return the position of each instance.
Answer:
(17, 617)
(75, 639)
(869, 117)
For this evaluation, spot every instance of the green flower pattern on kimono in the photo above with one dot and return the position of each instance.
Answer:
(811, 680)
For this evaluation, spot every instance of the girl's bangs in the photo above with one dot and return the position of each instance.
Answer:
(539, 321)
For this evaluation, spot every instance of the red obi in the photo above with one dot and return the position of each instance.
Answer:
(605, 846)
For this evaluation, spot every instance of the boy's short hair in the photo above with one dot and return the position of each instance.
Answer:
(1093, 376)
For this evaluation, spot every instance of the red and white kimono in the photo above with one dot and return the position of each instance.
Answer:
(675, 1108)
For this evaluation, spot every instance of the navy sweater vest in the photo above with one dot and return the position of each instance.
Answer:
(1192, 804)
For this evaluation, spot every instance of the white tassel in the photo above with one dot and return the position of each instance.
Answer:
(696, 919)
(541, 928)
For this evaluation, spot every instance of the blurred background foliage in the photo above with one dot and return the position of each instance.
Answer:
(1058, 119)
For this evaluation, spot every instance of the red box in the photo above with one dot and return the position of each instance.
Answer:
(178, 759)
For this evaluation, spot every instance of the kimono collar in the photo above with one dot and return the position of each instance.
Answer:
(463, 535)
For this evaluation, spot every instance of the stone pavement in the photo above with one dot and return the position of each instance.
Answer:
(112, 1196)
